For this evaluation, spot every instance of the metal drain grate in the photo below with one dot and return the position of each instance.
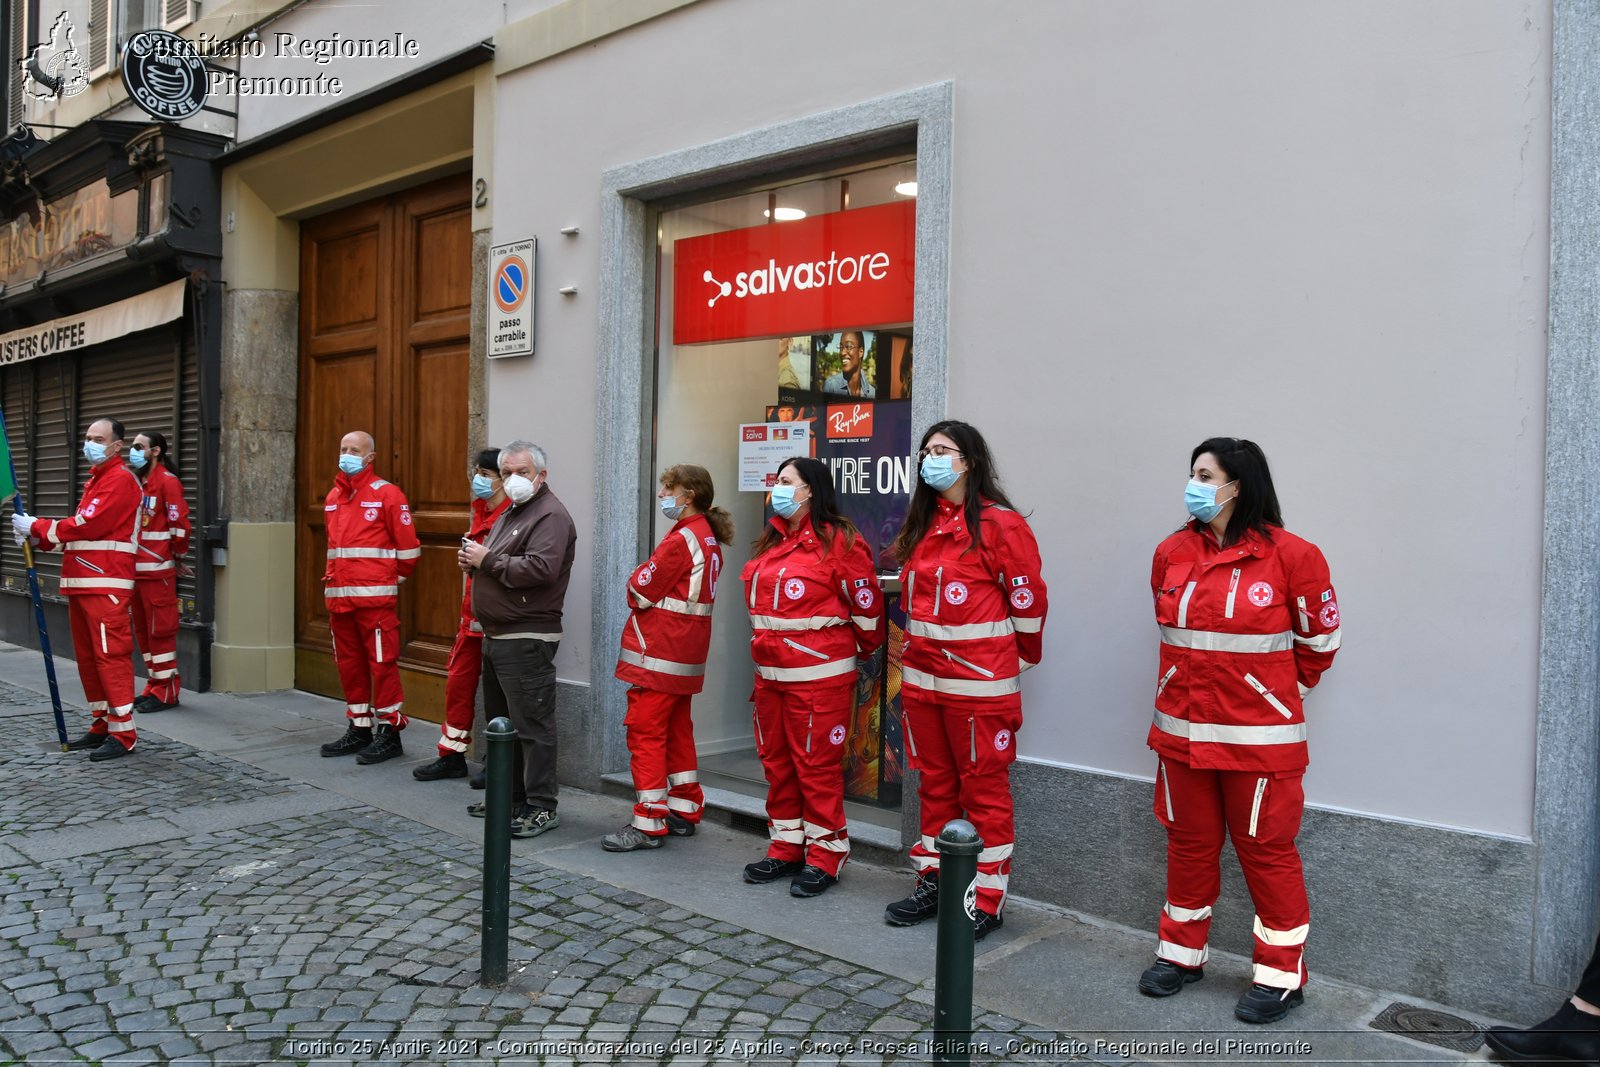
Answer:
(1425, 1024)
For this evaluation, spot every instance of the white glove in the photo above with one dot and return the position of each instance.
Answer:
(21, 527)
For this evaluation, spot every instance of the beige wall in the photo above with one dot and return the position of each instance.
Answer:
(1322, 227)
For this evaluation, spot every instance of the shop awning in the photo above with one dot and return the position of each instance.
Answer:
(71, 333)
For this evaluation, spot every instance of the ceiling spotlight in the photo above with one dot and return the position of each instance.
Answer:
(785, 214)
(906, 188)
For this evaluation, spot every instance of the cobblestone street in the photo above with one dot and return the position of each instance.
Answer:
(353, 935)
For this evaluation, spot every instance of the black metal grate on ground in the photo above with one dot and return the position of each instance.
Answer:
(1434, 1027)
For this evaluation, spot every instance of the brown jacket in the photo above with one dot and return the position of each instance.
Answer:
(522, 582)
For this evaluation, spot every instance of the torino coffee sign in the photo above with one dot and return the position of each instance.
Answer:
(848, 269)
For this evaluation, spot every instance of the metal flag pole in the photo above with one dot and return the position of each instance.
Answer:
(33, 594)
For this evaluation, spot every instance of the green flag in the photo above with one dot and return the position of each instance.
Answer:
(8, 477)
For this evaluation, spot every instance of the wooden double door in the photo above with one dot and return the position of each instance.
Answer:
(385, 329)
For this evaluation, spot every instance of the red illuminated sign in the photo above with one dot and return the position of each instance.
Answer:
(831, 272)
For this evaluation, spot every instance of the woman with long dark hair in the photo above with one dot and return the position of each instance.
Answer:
(814, 607)
(1248, 624)
(163, 542)
(663, 659)
(975, 605)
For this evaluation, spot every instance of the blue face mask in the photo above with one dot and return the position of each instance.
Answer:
(94, 452)
(482, 486)
(136, 459)
(783, 501)
(351, 465)
(938, 472)
(671, 508)
(1201, 500)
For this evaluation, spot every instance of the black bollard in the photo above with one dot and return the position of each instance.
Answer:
(958, 845)
(502, 740)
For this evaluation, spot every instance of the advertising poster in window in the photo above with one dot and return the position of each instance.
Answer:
(865, 445)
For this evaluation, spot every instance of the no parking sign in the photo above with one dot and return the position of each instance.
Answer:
(511, 298)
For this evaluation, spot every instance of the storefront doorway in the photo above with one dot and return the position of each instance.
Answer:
(385, 323)
(805, 337)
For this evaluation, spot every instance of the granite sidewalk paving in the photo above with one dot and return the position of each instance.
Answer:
(227, 896)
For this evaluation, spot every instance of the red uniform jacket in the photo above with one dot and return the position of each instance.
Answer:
(811, 612)
(100, 541)
(371, 542)
(974, 618)
(1245, 631)
(669, 623)
(482, 522)
(164, 530)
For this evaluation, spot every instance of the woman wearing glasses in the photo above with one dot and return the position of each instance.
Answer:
(1248, 624)
(975, 606)
(814, 607)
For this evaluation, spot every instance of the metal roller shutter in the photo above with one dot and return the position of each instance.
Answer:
(186, 454)
(48, 401)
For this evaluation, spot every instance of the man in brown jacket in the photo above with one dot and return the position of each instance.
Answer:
(519, 584)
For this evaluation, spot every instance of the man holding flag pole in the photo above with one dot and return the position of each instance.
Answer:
(100, 544)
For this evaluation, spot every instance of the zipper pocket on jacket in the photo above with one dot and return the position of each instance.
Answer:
(1266, 694)
(755, 583)
(1305, 620)
(633, 620)
(911, 742)
(969, 666)
(1165, 678)
(86, 563)
(777, 587)
(1255, 805)
(802, 648)
(938, 590)
(1233, 589)
(911, 580)
(972, 738)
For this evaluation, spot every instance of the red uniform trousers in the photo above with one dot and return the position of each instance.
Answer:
(155, 624)
(964, 750)
(1261, 811)
(800, 735)
(366, 647)
(102, 640)
(462, 671)
(666, 776)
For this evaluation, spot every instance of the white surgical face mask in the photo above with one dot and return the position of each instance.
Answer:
(518, 488)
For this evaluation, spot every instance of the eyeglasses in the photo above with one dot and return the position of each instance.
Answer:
(938, 450)
(849, 346)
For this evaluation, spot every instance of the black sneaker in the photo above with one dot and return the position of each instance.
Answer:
(385, 745)
(451, 766)
(1163, 978)
(86, 742)
(1569, 1034)
(630, 839)
(1266, 1003)
(770, 870)
(811, 882)
(142, 702)
(354, 740)
(678, 826)
(986, 924)
(111, 748)
(923, 903)
(154, 705)
(480, 778)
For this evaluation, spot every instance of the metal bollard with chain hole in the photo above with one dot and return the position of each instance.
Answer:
(497, 853)
(959, 845)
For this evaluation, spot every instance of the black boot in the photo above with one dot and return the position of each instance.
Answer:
(385, 745)
(1569, 1034)
(479, 779)
(86, 743)
(451, 766)
(923, 903)
(354, 740)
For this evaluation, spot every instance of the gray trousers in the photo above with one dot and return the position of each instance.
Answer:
(519, 682)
